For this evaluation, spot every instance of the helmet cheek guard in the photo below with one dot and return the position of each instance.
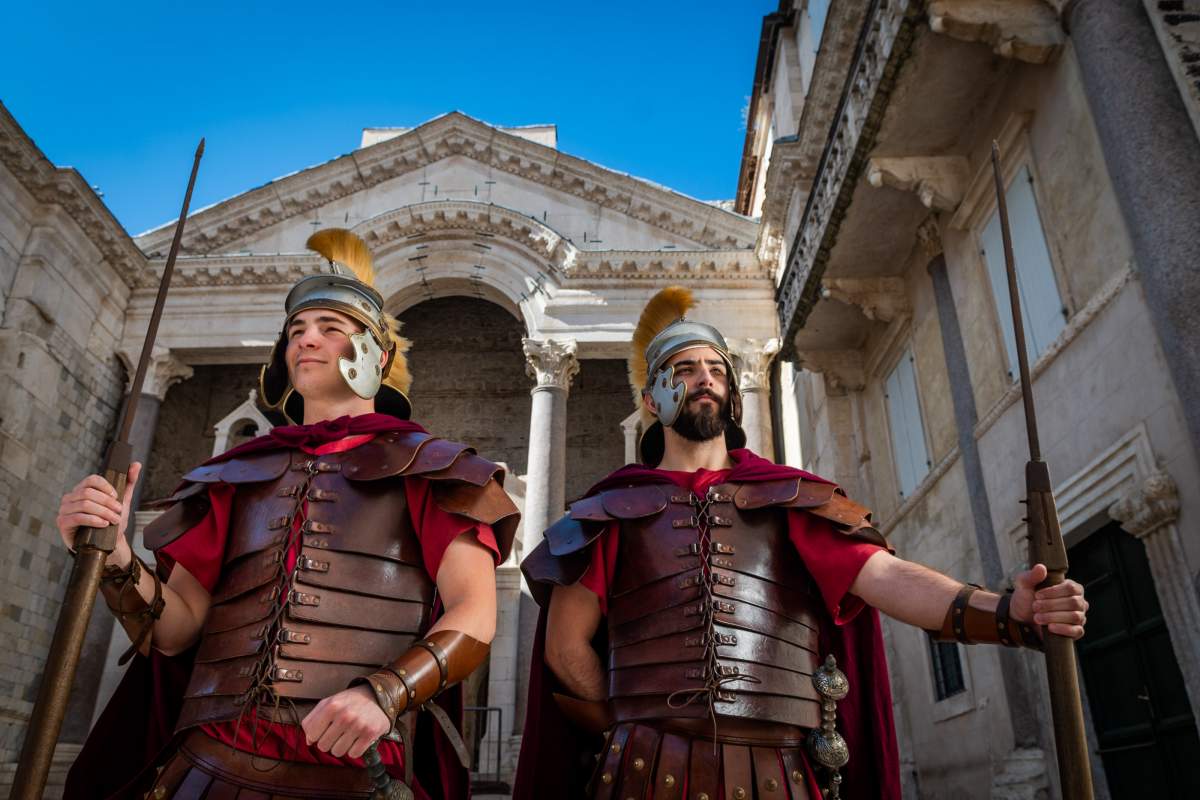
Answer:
(668, 396)
(364, 373)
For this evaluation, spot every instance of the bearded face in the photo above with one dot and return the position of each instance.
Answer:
(700, 420)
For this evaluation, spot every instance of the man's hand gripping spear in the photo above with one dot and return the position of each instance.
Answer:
(92, 547)
(1046, 547)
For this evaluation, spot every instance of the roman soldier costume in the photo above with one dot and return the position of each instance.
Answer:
(319, 545)
(738, 664)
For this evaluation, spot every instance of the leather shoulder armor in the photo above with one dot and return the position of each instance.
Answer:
(189, 504)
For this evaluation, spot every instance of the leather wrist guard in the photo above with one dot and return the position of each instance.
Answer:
(425, 669)
(137, 617)
(969, 625)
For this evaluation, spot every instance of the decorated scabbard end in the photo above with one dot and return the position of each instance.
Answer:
(825, 744)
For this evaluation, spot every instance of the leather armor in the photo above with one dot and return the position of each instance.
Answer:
(711, 611)
(358, 595)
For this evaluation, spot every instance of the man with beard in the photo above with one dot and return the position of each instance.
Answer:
(292, 567)
(709, 614)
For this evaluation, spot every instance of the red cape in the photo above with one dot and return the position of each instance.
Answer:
(135, 732)
(555, 756)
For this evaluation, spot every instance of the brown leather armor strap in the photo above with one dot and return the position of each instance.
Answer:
(439, 660)
(137, 617)
(969, 625)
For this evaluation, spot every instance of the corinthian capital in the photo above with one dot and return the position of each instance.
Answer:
(1148, 507)
(753, 361)
(551, 362)
(163, 371)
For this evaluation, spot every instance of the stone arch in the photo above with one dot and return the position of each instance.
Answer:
(459, 248)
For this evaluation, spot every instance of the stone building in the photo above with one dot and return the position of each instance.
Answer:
(518, 271)
(867, 162)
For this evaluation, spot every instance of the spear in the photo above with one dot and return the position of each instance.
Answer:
(1046, 547)
(92, 547)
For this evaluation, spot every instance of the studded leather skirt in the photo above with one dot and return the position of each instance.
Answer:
(205, 769)
(646, 760)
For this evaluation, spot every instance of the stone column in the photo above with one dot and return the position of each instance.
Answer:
(1149, 512)
(552, 363)
(106, 640)
(753, 362)
(1153, 157)
(629, 431)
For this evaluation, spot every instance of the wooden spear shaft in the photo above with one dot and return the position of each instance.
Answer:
(1046, 547)
(92, 546)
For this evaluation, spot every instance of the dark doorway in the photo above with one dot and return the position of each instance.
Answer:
(1138, 700)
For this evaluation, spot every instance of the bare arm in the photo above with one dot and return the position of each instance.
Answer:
(573, 619)
(466, 580)
(920, 596)
(93, 503)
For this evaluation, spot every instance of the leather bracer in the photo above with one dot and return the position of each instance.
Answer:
(439, 660)
(969, 625)
(137, 617)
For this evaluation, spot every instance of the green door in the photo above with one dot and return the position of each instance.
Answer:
(1138, 701)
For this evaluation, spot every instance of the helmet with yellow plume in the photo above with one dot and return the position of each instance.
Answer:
(346, 286)
(663, 330)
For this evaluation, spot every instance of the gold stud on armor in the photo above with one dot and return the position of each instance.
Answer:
(606, 777)
(639, 763)
(797, 776)
(669, 781)
(702, 796)
(616, 748)
(771, 784)
(739, 793)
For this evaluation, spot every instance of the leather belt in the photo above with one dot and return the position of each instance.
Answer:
(272, 776)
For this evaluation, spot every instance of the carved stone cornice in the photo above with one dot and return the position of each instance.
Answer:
(886, 41)
(842, 369)
(938, 181)
(66, 188)
(796, 158)
(454, 134)
(1149, 507)
(880, 299)
(1027, 30)
(440, 217)
(741, 266)
(753, 359)
(551, 362)
(163, 371)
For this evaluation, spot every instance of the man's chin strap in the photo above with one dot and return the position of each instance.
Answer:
(969, 625)
(432, 664)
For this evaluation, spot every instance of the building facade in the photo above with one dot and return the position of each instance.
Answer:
(518, 271)
(868, 163)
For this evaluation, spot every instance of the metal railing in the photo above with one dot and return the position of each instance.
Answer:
(486, 753)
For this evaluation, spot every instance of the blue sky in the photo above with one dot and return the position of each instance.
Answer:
(123, 91)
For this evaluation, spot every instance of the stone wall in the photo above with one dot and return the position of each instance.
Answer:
(598, 402)
(469, 381)
(60, 390)
(184, 436)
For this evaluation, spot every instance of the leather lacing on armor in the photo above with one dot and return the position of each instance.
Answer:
(262, 690)
(714, 674)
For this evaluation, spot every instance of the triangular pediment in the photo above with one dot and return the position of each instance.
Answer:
(518, 174)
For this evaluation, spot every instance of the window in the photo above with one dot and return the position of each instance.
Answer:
(904, 417)
(947, 670)
(1041, 304)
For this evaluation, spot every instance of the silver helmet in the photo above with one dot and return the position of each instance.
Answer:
(664, 331)
(345, 287)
